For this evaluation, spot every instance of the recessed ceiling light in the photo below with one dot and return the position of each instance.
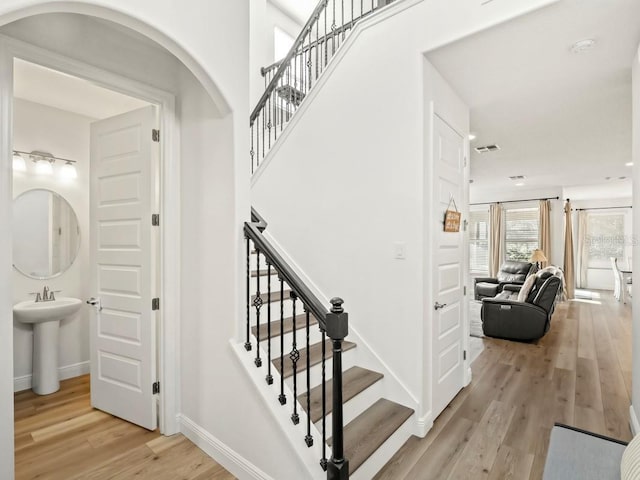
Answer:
(519, 184)
(607, 178)
(582, 46)
(517, 177)
(628, 164)
(487, 148)
(472, 137)
(621, 178)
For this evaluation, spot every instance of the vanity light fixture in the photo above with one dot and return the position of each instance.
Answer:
(19, 165)
(44, 162)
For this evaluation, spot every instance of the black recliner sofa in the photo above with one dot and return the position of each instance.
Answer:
(524, 321)
(511, 272)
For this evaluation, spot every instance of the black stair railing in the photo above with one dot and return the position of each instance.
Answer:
(333, 324)
(289, 80)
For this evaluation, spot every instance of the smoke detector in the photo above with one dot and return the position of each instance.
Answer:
(487, 148)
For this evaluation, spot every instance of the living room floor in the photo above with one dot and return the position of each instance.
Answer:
(498, 427)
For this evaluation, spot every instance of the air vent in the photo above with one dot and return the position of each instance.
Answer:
(517, 177)
(487, 148)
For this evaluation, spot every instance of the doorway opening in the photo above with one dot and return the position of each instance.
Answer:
(85, 187)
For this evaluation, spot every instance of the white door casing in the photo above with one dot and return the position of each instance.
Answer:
(448, 267)
(123, 266)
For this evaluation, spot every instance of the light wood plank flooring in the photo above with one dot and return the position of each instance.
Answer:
(60, 436)
(499, 426)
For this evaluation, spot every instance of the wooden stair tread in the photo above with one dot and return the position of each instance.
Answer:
(354, 381)
(369, 430)
(275, 296)
(301, 322)
(314, 358)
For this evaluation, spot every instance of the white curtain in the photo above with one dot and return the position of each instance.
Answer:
(495, 239)
(544, 231)
(583, 251)
(569, 265)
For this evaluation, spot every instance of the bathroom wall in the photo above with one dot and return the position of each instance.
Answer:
(64, 134)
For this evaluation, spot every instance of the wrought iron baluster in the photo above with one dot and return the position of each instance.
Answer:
(294, 356)
(308, 439)
(323, 460)
(247, 343)
(333, 29)
(317, 44)
(326, 43)
(257, 303)
(275, 117)
(282, 398)
(269, 377)
(352, 17)
(262, 116)
(342, 22)
(268, 108)
(252, 151)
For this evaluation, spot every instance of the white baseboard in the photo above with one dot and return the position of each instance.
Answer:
(423, 425)
(221, 453)
(633, 420)
(68, 371)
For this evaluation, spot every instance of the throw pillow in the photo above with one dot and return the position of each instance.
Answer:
(526, 288)
(630, 466)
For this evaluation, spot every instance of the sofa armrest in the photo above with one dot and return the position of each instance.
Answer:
(513, 320)
(512, 287)
(485, 280)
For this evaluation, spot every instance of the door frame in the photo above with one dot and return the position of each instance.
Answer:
(168, 331)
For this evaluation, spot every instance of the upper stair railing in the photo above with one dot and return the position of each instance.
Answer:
(333, 324)
(290, 79)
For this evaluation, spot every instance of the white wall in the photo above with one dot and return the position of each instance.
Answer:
(635, 390)
(64, 134)
(215, 394)
(346, 180)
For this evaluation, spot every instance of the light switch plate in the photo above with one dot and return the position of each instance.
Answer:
(399, 250)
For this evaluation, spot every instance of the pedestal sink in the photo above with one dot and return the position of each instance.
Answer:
(45, 317)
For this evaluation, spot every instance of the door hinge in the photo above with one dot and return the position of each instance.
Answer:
(464, 290)
(155, 304)
(155, 135)
(464, 355)
(155, 219)
(156, 388)
(465, 223)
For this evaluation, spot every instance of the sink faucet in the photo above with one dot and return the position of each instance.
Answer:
(45, 294)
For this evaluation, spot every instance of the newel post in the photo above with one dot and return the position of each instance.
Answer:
(337, 324)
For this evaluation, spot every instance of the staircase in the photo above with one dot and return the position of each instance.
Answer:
(310, 369)
(297, 345)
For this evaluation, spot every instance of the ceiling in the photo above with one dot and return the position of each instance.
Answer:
(65, 92)
(560, 118)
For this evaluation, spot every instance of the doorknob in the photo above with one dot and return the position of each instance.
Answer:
(438, 306)
(95, 302)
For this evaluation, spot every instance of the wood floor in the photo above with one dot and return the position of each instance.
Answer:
(499, 426)
(60, 436)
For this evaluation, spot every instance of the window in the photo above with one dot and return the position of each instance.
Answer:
(521, 233)
(479, 241)
(604, 239)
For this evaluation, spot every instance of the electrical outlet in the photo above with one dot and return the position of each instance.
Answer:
(399, 250)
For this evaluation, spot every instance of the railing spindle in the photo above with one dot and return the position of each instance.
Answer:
(308, 439)
(247, 343)
(323, 460)
(294, 356)
(282, 398)
(269, 377)
(257, 303)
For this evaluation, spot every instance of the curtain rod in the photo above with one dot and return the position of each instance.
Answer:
(517, 201)
(604, 208)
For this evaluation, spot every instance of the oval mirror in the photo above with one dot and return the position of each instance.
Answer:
(46, 235)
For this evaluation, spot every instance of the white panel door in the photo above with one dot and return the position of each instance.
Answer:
(447, 257)
(123, 327)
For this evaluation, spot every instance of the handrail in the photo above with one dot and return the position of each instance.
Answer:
(313, 303)
(292, 53)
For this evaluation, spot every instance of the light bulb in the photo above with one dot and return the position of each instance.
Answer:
(68, 171)
(44, 167)
(19, 165)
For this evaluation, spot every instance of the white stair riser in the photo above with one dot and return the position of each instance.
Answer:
(355, 406)
(315, 336)
(382, 455)
(348, 361)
